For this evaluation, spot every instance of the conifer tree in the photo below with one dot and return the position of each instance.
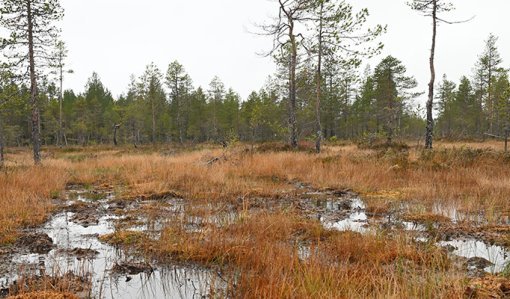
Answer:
(31, 24)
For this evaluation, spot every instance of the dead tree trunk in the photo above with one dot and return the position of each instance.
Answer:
(60, 139)
(36, 135)
(430, 103)
(319, 85)
(115, 128)
(292, 87)
(1, 145)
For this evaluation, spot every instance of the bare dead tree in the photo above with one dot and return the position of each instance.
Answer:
(116, 127)
(59, 65)
(432, 9)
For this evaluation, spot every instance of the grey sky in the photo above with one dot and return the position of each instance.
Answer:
(117, 38)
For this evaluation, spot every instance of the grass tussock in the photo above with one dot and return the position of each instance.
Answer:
(44, 295)
(25, 197)
(123, 238)
(283, 255)
(67, 286)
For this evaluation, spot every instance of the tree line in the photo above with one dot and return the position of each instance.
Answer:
(317, 93)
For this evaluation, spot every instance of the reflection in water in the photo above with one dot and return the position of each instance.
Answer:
(472, 248)
(357, 219)
(167, 282)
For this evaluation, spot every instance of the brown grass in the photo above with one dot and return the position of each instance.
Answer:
(25, 196)
(262, 247)
(472, 179)
(44, 295)
(266, 252)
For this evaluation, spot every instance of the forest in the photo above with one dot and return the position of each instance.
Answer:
(166, 107)
(335, 179)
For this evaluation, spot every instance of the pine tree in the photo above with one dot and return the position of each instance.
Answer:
(393, 88)
(287, 43)
(447, 106)
(216, 96)
(486, 70)
(180, 86)
(32, 31)
(151, 91)
(337, 30)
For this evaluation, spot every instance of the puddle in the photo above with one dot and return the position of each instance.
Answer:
(455, 215)
(356, 220)
(472, 248)
(78, 250)
(353, 217)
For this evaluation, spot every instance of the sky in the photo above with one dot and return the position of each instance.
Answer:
(118, 38)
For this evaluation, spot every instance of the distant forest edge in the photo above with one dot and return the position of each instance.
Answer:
(317, 93)
(168, 108)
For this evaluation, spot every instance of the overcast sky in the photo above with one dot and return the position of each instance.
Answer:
(117, 38)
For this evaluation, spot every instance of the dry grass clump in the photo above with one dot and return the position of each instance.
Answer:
(462, 157)
(44, 295)
(382, 144)
(489, 287)
(67, 286)
(25, 197)
(284, 147)
(123, 238)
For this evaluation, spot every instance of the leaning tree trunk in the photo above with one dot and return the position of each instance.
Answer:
(430, 102)
(292, 90)
(36, 134)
